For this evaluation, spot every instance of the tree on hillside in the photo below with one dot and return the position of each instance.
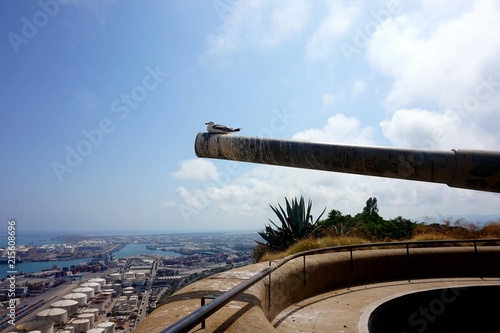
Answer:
(371, 207)
(371, 225)
(336, 223)
(296, 224)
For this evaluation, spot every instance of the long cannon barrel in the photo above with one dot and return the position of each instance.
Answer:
(469, 169)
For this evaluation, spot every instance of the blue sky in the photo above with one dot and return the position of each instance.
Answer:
(102, 101)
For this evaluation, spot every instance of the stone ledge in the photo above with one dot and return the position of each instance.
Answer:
(253, 311)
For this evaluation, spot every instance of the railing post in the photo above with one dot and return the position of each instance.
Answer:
(304, 269)
(352, 262)
(269, 289)
(203, 298)
(475, 252)
(408, 261)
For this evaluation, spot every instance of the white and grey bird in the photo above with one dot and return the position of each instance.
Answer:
(214, 128)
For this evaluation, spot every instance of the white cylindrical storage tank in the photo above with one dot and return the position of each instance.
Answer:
(95, 286)
(102, 299)
(115, 276)
(94, 311)
(127, 283)
(121, 300)
(96, 330)
(118, 287)
(129, 275)
(57, 315)
(127, 293)
(139, 282)
(43, 326)
(108, 294)
(67, 304)
(69, 329)
(133, 300)
(90, 292)
(79, 297)
(89, 316)
(109, 326)
(35, 331)
(100, 305)
(140, 275)
(112, 292)
(101, 281)
(81, 325)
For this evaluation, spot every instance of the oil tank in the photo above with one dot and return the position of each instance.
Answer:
(96, 330)
(132, 301)
(117, 287)
(93, 285)
(44, 326)
(108, 294)
(79, 297)
(57, 315)
(85, 290)
(100, 281)
(69, 329)
(99, 305)
(80, 325)
(89, 316)
(115, 276)
(109, 326)
(94, 311)
(121, 300)
(127, 283)
(129, 275)
(67, 304)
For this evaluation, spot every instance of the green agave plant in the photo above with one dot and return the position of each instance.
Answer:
(296, 224)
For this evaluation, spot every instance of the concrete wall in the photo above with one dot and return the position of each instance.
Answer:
(253, 310)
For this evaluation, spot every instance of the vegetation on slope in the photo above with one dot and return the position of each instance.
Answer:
(366, 227)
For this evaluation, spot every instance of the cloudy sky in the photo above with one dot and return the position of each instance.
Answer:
(102, 101)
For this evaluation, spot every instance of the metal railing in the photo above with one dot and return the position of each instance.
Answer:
(198, 316)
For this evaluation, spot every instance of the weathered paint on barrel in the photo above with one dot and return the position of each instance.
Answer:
(469, 169)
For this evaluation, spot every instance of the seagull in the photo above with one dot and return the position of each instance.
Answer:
(220, 129)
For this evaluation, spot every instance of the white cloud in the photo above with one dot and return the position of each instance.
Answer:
(196, 199)
(334, 26)
(329, 99)
(197, 169)
(436, 62)
(420, 128)
(288, 19)
(339, 129)
(256, 25)
(358, 87)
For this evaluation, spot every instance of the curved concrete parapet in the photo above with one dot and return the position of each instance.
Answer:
(257, 307)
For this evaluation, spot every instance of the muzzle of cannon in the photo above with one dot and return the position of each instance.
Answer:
(468, 169)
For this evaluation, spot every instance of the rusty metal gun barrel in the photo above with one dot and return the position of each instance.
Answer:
(468, 169)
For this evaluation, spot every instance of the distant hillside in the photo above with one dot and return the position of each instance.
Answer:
(471, 218)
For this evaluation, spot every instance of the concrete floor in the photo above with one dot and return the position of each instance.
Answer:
(347, 310)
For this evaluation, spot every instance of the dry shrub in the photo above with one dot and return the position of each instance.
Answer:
(430, 236)
(491, 230)
(311, 244)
